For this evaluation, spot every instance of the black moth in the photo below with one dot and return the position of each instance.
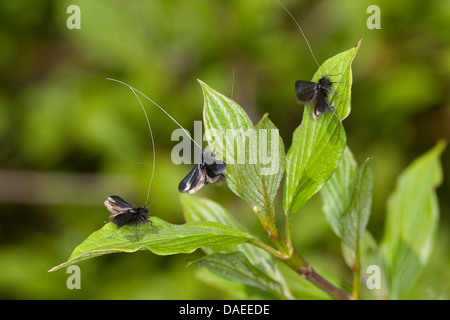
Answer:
(123, 213)
(208, 171)
(308, 92)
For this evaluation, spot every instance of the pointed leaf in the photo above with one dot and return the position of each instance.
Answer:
(254, 154)
(272, 159)
(347, 199)
(318, 143)
(412, 220)
(337, 194)
(354, 221)
(163, 239)
(314, 155)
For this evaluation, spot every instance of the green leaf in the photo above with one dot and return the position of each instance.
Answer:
(312, 159)
(347, 199)
(254, 155)
(337, 194)
(412, 220)
(236, 267)
(354, 221)
(371, 256)
(272, 159)
(163, 239)
(318, 143)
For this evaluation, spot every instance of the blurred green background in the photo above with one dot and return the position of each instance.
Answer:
(69, 138)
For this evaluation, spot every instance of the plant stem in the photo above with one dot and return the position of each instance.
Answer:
(287, 253)
(288, 230)
(277, 254)
(333, 291)
(356, 276)
(357, 263)
(304, 269)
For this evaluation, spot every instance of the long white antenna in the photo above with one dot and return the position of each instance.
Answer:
(153, 146)
(303, 34)
(136, 90)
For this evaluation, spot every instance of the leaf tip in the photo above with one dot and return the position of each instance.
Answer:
(369, 159)
(441, 145)
(59, 266)
(204, 85)
(359, 43)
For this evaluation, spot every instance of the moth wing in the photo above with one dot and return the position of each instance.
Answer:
(119, 201)
(321, 105)
(120, 219)
(121, 211)
(306, 91)
(193, 182)
(217, 179)
(117, 205)
(215, 169)
(220, 167)
(212, 165)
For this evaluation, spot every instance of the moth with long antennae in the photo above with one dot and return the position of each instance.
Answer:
(123, 213)
(208, 170)
(312, 92)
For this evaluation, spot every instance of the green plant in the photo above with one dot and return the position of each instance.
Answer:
(318, 160)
